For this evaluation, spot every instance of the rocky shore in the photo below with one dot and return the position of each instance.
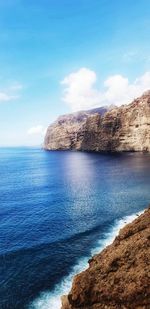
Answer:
(124, 128)
(118, 277)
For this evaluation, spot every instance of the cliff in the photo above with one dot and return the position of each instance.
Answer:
(118, 277)
(125, 128)
(64, 132)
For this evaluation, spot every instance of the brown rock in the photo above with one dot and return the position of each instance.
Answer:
(118, 277)
(126, 128)
(67, 132)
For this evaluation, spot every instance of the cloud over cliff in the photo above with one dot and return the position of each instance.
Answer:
(81, 89)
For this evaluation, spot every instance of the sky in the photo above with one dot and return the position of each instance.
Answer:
(60, 56)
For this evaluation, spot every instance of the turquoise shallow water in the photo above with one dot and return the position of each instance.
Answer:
(55, 208)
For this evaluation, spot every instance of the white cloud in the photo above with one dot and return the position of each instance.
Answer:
(11, 93)
(37, 130)
(120, 91)
(80, 91)
(4, 97)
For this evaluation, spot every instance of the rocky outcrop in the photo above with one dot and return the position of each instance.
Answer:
(67, 131)
(125, 128)
(118, 277)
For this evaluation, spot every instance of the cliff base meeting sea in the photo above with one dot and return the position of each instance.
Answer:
(57, 209)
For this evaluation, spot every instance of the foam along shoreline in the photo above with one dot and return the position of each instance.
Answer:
(52, 299)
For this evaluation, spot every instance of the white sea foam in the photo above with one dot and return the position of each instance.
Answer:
(52, 299)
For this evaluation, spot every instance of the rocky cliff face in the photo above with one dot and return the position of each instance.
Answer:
(118, 277)
(64, 133)
(126, 128)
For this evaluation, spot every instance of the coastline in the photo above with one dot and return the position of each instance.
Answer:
(52, 299)
(117, 277)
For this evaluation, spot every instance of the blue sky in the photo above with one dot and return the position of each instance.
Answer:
(59, 56)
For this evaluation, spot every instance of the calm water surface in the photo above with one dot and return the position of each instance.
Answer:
(54, 206)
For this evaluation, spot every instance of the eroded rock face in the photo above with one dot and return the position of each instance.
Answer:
(67, 132)
(118, 277)
(126, 128)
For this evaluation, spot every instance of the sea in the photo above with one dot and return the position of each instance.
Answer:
(57, 209)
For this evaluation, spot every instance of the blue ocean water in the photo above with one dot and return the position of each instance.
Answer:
(56, 209)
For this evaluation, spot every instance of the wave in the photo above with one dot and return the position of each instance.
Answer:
(52, 299)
